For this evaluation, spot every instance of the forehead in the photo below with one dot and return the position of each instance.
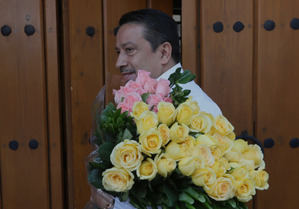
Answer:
(129, 33)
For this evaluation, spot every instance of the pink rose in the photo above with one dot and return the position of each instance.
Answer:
(153, 100)
(150, 86)
(167, 99)
(129, 101)
(135, 87)
(163, 88)
(142, 77)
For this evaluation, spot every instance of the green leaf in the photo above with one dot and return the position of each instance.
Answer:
(208, 206)
(185, 77)
(171, 196)
(174, 76)
(186, 92)
(196, 195)
(127, 134)
(144, 97)
(189, 206)
(104, 153)
(232, 203)
(124, 196)
(139, 190)
(94, 178)
(184, 197)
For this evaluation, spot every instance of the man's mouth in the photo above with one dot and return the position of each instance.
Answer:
(127, 75)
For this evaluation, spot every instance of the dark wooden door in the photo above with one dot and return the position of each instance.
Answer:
(253, 74)
(277, 96)
(30, 126)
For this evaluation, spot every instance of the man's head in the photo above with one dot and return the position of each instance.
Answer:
(146, 39)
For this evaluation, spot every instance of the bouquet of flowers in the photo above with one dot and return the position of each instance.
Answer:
(157, 148)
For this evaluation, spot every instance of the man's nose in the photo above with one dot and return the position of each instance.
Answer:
(121, 61)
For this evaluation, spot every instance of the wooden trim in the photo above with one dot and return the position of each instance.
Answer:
(190, 52)
(165, 5)
(54, 112)
(67, 104)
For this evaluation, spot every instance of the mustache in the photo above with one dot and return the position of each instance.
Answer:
(126, 70)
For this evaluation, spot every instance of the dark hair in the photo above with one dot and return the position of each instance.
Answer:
(159, 28)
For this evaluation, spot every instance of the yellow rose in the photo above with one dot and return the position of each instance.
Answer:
(205, 140)
(233, 156)
(117, 179)
(193, 104)
(164, 133)
(217, 153)
(220, 167)
(255, 154)
(222, 189)
(222, 142)
(127, 154)
(231, 135)
(151, 142)
(166, 113)
(147, 170)
(188, 165)
(239, 145)
(261, 178)
(240, 173)
(178, 133)
(204, 177)
(147, 120)
(222, 125)
(204, 153)
(244, 190)
(138, 109)
(184, 113)
(175, 151)
(201, 122)
(165, 165)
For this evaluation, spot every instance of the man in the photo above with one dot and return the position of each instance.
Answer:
(147, 39)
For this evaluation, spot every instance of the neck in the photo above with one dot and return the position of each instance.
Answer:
(168, 66)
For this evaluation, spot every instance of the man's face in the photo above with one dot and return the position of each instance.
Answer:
(135, 53)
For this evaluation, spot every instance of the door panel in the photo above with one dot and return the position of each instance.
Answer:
(24, 171)
(83, 78)
(278, 101)
(226, 59)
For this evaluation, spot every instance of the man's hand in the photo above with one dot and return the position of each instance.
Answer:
(101, 199)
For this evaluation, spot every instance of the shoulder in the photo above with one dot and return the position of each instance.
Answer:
(204, 101)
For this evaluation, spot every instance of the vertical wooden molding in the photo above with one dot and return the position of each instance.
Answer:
(54, 112)
(67, 104)
(190, 31)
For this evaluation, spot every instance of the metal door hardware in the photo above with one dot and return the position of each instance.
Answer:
(29, 30)
(33, 144)
(90, 31)
(238, 26)
(5, 30)
(218, 27)
(13, 145)
(269, 25)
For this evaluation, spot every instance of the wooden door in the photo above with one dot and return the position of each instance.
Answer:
(252, 73)
(277, 76)
(29, 124)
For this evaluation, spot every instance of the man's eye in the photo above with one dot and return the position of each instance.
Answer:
(129, 50)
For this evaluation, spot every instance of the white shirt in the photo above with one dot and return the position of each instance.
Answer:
(205, 103)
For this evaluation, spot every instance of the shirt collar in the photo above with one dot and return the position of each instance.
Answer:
(166, 74)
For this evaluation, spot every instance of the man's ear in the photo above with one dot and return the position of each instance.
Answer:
(165, 50)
